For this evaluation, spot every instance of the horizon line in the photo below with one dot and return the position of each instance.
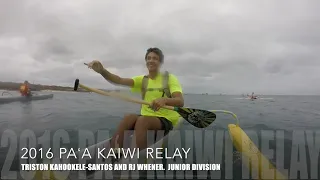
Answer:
(193, 93)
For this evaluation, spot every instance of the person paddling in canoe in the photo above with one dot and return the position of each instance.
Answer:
(158, 88)
(25, 90)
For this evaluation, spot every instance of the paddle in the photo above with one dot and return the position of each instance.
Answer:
(197, 117)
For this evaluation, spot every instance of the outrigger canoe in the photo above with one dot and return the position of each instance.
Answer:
(117, 174)
(9, 99)
(239, 138)
(253, 99)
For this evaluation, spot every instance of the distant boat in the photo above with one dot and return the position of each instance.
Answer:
(257, 98)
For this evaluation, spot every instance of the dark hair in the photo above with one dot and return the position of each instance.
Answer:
(157, 51)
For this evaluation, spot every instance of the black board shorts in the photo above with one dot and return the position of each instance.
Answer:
(166, 125)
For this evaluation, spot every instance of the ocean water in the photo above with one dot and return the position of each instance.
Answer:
(71, 111)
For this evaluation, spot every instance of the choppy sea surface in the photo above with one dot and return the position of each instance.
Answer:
(71, 111)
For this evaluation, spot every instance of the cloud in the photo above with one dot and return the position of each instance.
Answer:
(215, 47)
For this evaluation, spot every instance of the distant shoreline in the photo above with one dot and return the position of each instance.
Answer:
(13, 86)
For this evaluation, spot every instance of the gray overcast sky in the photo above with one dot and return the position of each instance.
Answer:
(269, 47)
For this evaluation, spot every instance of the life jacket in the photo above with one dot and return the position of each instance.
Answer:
(165, 86)
(24, 89)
